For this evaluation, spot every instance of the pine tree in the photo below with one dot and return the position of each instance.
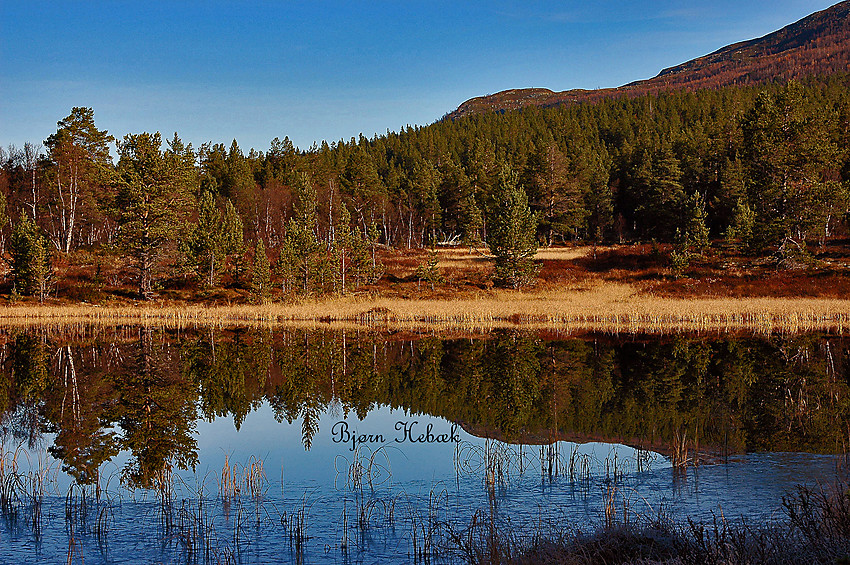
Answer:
(340, 252)
(361, 258)
(300, 250)
(286, 268)
(261, 277)
(788, 154)
(31, 267)
(428, 270)
(695, 228)
(4, 220)
(598, 198)
(555, 192)
(660, 194)
(512, 233)
(203, 245)
(471, 220)
(362, 186)
(154, 190)
(78, 166)
(232, 241)
(424, 183)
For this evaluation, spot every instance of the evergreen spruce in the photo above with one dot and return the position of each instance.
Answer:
(512, 229)
(696, 230)
(204, 245)
(154, 189)
(31, 269)
(261, 276)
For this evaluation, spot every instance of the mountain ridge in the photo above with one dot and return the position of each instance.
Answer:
(816, 44)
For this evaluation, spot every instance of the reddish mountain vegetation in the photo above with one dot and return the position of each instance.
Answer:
(817, 44)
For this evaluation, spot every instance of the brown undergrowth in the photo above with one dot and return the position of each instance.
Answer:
(616, 289)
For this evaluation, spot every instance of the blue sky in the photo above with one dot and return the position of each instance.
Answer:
(314, 70)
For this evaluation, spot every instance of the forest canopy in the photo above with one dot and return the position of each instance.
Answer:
(765, 168)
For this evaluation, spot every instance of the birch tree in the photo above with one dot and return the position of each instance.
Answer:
(78, 166)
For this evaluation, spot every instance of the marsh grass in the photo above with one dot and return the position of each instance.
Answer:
(23, 486)
(237, 479)
(367, 467)
(500, 463)
(602, 306)
(815, 528)
(295, 525)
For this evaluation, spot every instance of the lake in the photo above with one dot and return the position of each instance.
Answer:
(145, 445)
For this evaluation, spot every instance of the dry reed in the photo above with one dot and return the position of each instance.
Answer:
(602, 306)
(237, 479)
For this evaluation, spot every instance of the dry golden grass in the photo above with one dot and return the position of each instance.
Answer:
(596, 305)
(461, 257)
(574, 300)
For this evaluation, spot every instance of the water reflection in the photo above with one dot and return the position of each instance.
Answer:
(373, 413)
(141, 391)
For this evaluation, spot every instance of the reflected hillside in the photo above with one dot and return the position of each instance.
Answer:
(141, 391)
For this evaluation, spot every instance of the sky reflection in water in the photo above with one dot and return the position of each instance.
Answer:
(386, 500)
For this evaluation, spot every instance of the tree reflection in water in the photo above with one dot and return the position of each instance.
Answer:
(141, 390)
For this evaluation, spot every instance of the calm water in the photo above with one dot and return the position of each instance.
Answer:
(249, 446)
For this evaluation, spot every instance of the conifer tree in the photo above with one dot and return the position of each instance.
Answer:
(4, 219)
(659, 195)
(31, 267)
(300, 249)
(599, 204)
(261, 276)
(555, 192)
(512, 229)
(471, 220)
(232, 241)
(203, 245)
(286, 268)
(695, 228)
(428, 270)
(340, 252)
(154, 189)
(362, 186)
(424, 184)
(788, 155)
(361, 258)
(78, 166)
(740, 232)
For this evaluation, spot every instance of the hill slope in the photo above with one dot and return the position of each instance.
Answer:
(817, 44)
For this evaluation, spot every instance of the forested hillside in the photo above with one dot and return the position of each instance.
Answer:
(817, 44)
(764, 167)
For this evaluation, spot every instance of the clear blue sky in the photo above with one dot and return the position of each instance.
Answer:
(314, 70)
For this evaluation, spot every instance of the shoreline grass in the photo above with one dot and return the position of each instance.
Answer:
(813, 527)
(598, 306)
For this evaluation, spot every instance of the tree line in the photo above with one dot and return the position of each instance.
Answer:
(764, 167)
